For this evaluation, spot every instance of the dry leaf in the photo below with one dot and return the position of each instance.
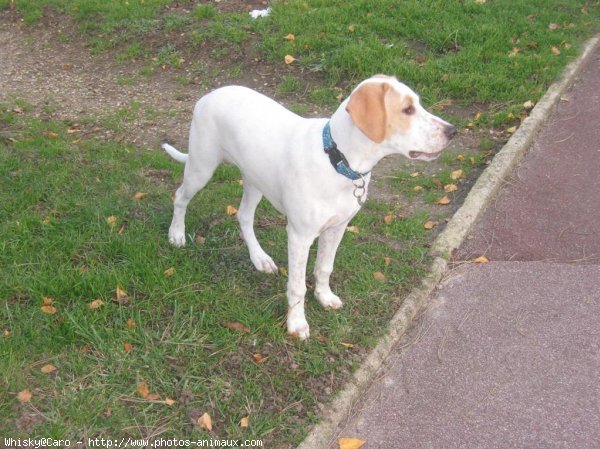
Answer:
(143, 390)
(388, 218)
(351, 28)
(415, 174)
(321, 338)
(140, 195)
(169, 401)
(259, 358)
(481, 259)
(24, 396)
(290, 37)
(231, 210)
(418, 188)
(444, 200)
(6, 333)
(387, 261)
(460, 158)
(511, 130)
(456, 174)
(288, 59)
(245, 421)
(528, 104)
(283, 271)
(47, 301)
(153, 397)
(430, 224)
(450, 188)
(169, 272)
(353, 229)
(200, 240)
(555, 51)
(112, 220)
(514, 52)
(50, 134)
(238, 327)
(205, 422)
(379, 276)
(47, 369)
(128, 347)
(554, 26)
(130, 324)
(355, 443)
(480, 2)
(51, 310)
(96, 304)
(347, 345)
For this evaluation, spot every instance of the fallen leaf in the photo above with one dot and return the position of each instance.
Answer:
(528, 104)
(353, 229)
(514, 52)
(347, 345)
(47, 369)
(387, 261)
(231, 210)
(554, 26)
(288, 59)
(480, 2)
(379, 276)
(130, 324)
(511, 130)
(283, 271)
(351, 28)
(456, 174)
(245, 421)
(290, 37)
(143, 390)
(354, 443)
(112, 220)
(205, 422)
(96, 304)
(47, 301)
(170, 401)
(566, 45)
(122, 296)
(555, 51)
(121, 230)
(259, 358)
(388, 218)
(481, 259)
(444, 200)
(140, 195)
(200, 240)
(430, 224)
(238, 327)
(460, 158)
(50, 134)
(153, 397)
(169, 272)
(51, 310)
(418, 188)
(6, 333)
(415, 174)
(321, 338)
(450, 188)
(73, 129)
(128, 347)
(24, 396)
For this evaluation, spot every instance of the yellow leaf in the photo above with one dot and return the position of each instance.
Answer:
(379, 276)
(205, 422)
(511, 130)
(47, 301)
(528, 104)
(290, 37)
(231, 210)
(456, 174)
(238, 327)
(140, 195)
(353, 229)
(96, 304)
(51, 310)
(112, 220)
(130, 324)
(351, 28)
(6, 333)
(350, 443)
(283, 271)
(415, 174)
(418, 188)
(481, 259)
(143, 390)
(388, 218)
(288, 59)
(169, 401)
(460, 158)
(24, 396)
(122, 296)
(347, 345)
(430, 224)
(245, 421)
(444, 200)
(555, 51)
(450, 188)
(47, 369)
(480, 2)
(169, 272)
(514, 52)
(387, 261)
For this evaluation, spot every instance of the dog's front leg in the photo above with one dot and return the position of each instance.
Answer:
(329, 241)
(298, 249)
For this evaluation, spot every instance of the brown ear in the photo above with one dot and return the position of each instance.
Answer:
(367, 109)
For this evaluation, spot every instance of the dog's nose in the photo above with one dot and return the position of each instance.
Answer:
(450, 131)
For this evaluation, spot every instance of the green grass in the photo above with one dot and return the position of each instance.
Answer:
(58, 190)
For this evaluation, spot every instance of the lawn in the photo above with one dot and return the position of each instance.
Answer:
(113, 332)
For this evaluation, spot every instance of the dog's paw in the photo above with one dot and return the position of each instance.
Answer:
(329, 300)
(298, 327)
(263, 262)
(176, 238)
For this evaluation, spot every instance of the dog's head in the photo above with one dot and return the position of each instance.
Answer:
(389, 113)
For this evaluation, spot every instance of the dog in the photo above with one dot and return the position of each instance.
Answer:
(314, 171)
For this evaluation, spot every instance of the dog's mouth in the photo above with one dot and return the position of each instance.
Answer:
(423, 156)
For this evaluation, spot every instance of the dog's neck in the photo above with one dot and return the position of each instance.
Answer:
(360, 151)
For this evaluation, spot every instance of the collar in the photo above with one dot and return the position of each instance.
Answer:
(337, 158)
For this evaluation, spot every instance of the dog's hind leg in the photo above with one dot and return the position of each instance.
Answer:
(261, 260)
(199, 168)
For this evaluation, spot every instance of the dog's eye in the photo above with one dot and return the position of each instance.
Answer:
(409, 110)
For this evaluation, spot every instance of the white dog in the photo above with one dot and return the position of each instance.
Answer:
(315, 171)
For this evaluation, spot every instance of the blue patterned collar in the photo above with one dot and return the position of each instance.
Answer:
(337, 158)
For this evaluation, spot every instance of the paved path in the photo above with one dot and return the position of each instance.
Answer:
(507, 354)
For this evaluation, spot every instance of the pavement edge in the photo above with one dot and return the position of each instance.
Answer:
(482, 192)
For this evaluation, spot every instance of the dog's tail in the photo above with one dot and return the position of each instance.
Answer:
(174, 153)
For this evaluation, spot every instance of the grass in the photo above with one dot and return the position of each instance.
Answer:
(59, 191)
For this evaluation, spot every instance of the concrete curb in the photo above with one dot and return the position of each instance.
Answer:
(451, 238)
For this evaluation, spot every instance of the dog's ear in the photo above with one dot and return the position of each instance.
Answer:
(367, 109)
